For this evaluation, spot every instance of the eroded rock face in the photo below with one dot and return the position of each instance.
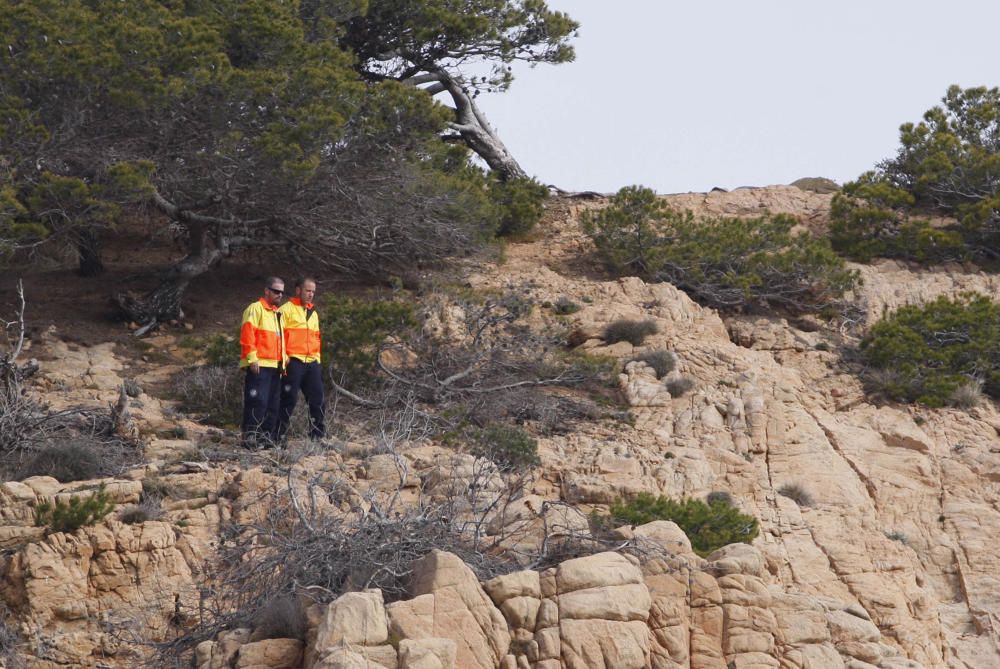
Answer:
(891, 564)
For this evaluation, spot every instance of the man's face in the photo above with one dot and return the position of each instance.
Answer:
(274, 293)
(306, 292)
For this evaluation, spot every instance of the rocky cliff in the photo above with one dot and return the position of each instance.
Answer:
(885, 562)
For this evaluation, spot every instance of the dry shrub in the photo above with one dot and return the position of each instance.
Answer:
(72, 461)
(9, 641)
(214, 394)
(679, 387)
(662, 362)
(634, 332)
(797, 493)
(719, 497)
(967, 396)
(280, 618)
(149, 508)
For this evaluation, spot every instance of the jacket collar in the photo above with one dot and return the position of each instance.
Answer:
(298, 302)
(267, 306)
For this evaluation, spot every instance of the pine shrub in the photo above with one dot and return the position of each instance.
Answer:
(565, 306)
(946, 165)
(508, 446)
(723, 262)
(520, 205)
(78, 512)
(926, 353)
(708, 526)
(354, 328)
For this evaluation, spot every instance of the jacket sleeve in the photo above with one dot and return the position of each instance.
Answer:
(248, 337)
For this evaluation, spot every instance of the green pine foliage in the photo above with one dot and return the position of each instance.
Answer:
(508, 446)
(948, 164)
(253, 110)
(78, 512)
(709, 525)
(927, 353)
(723, 262)
(353, 329)
(520, 204)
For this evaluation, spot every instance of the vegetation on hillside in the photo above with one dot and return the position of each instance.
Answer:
(709, 525)
(929, 353)
(948, 165)
(723, 262)
(262, 125)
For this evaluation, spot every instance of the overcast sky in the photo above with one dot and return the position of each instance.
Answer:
(684, 96)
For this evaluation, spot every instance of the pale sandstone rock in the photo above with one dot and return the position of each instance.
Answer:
(602, 644)
(516, 584)
(430, 653)
(628, 602)
(594, 571)
(355, 618)
(388, 472)
(270, 654)
(847, 627)
(462, 610)
(737, 559)
(665, 534)
(356, 658)
(221, 653)
(412, 618)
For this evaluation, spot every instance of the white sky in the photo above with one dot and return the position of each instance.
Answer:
(684, 96)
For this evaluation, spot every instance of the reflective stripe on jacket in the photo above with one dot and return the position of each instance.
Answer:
(260, 336)
(301, 323)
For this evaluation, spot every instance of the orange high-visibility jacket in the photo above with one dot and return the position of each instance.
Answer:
(301, 323)
(260, 336)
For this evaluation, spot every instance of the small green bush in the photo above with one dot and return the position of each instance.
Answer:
(520, 205)
(354, 328)
(66, 462)
(724, 262)
(797, 493)
(708, 526)
(222, 351)
(507, 446)
(926, 353)
(662, 362)
(634, 332)
(565, 306)
(679, 387)
(78, 512)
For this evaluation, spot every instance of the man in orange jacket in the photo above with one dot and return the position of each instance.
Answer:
(262, 354)
(302, 344)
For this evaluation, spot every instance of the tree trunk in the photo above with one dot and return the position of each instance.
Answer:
(88, 248)
(163, 303)
(475, 129)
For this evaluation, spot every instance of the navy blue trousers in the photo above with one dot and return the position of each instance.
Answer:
(261, 401)
(307, 377)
